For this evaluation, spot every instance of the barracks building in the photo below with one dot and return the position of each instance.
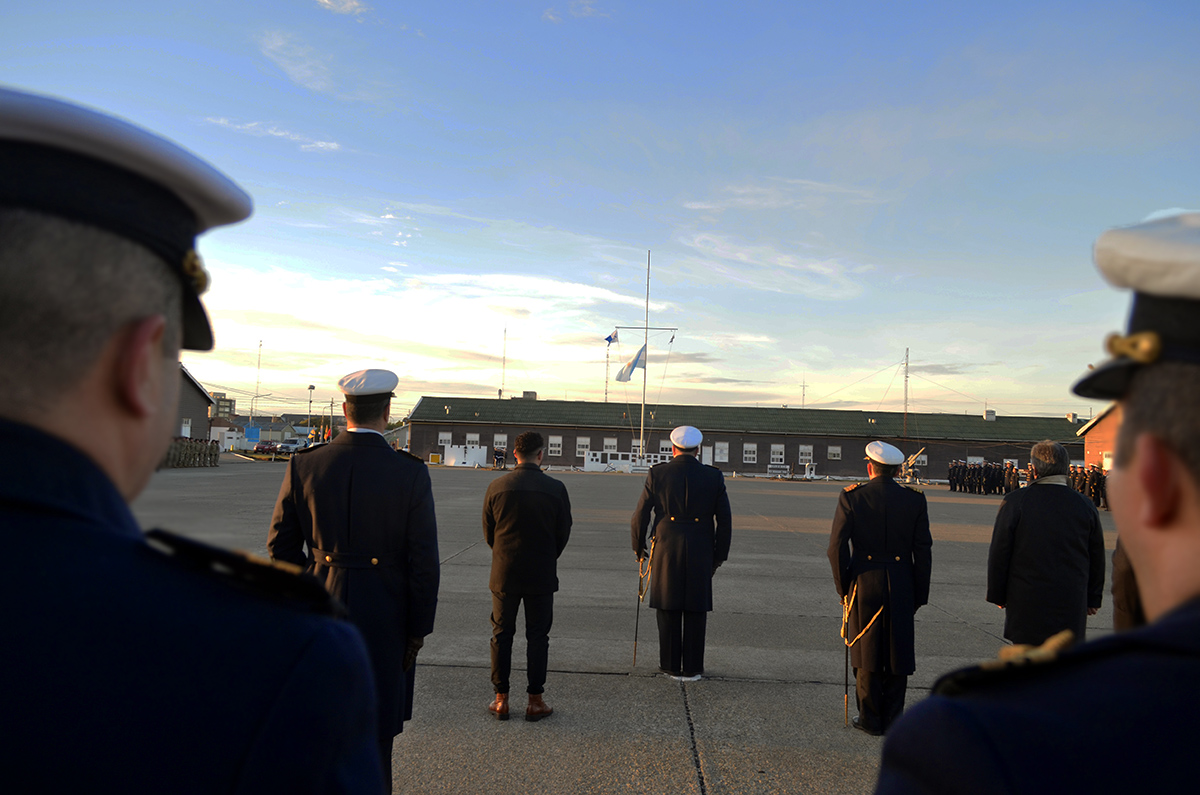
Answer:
(746, 440)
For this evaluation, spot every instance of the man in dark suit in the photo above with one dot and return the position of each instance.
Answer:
(880, 550)
(1046, 560)
(365, 513)
(1117, 714)
(693, 528)
(526, 522)
(137, 663)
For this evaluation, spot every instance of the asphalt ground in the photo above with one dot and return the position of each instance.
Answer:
(768, 715)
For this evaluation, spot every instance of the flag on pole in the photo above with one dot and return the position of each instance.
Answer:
(639, 360)
(611, 338)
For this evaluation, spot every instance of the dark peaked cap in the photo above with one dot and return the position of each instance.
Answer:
(85, 166)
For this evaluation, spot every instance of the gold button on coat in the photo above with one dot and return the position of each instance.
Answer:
(328, 559)
(868, 557)
(375, 561)
(897, 558)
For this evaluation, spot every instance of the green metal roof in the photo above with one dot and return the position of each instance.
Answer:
(740, 419)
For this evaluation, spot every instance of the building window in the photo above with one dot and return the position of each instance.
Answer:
(664, 446)
(835, 452)
(473, 439)
(555, 446)
(923, 460)
(582, 445)
(444, 438)
(776, 454)
(806, 454)
(610, 445)
(721, 452)
(500, 441)
(749, 453)
(635, 447)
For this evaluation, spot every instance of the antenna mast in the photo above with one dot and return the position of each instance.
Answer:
(645, 368)
(504, 363)
(906, 393)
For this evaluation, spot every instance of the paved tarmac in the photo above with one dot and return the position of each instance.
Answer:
(767, 717)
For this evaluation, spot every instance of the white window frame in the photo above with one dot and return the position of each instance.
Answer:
(805, 454)
(500, 441)
(554, 447)
(749, 452)
(635, 446)
(583, 444)
(664, 446)
(777, 454)
(610, 444)
(472, 439)
(721, 452)
(923, 461)
(445, 438)
(834, 452)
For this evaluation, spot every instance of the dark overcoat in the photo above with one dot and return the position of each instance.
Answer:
(881, 551)
(131, 668)
(350, 502)
(1116, 715)
(693, 528)
(527, 523)
(1046, 561)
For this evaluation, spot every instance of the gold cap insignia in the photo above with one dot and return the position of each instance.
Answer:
(1143, 347)
(193, 269)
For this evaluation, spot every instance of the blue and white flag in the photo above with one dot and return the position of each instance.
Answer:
(611, 338)
(639, 360)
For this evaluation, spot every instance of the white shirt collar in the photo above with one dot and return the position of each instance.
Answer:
(365, 430)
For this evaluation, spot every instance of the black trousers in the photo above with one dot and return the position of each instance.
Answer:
(539, 615)
(681, 641)
(880, 697)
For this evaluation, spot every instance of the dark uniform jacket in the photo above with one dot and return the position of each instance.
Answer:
(128, 667)
(365, 512)
(1116, 715)
(526, 522)
(881, 550)
(1046, 562)
(693, 527)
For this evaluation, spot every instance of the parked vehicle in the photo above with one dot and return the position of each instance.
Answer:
(292, 445)
(266, 447)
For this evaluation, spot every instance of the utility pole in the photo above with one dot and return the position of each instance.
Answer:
(645, 368)
(504, 363)
(906, 393)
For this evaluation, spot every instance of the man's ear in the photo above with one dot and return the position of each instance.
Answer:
(139, 365)
(1157, 470)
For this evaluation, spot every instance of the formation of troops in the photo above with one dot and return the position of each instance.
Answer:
(149, 662)
(988, 478)
(185, 452)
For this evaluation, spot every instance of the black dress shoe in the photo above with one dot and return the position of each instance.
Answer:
(856, 723)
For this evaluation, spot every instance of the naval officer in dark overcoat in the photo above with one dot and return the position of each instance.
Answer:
(359, 515)
(692, 531)
(1117, 714)
(137, 663)
(880, 548)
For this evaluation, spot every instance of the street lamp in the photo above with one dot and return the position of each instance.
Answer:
(310, 393)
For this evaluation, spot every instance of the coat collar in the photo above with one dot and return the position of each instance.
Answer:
(51, 476)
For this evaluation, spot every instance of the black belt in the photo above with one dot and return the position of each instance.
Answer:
(353, 560)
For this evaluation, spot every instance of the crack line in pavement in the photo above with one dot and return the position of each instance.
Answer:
(687, 710)
(968, 623)
(459, 552)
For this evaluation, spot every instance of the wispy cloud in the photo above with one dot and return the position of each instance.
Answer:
(344, 6)
(723, 259)
(786, 194)
(300, 62)
(550, 15)
(270, 130)
(585, 8)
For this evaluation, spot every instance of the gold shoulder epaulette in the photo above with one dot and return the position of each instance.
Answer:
(852, 487)
(1010, 660)
(276, 580)
(912, 488)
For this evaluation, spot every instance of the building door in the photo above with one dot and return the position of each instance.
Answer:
(706, 454)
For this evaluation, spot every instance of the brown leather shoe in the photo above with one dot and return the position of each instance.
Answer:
(499, 707)
(537, 708)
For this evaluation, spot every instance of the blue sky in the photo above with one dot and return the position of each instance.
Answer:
(821, 185)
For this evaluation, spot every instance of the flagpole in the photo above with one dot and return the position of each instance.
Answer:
(645, 367)
(607, 348)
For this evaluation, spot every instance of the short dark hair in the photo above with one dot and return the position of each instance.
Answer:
(1161, 400)
(1050, 458)
(367, 412)
(528, 443)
